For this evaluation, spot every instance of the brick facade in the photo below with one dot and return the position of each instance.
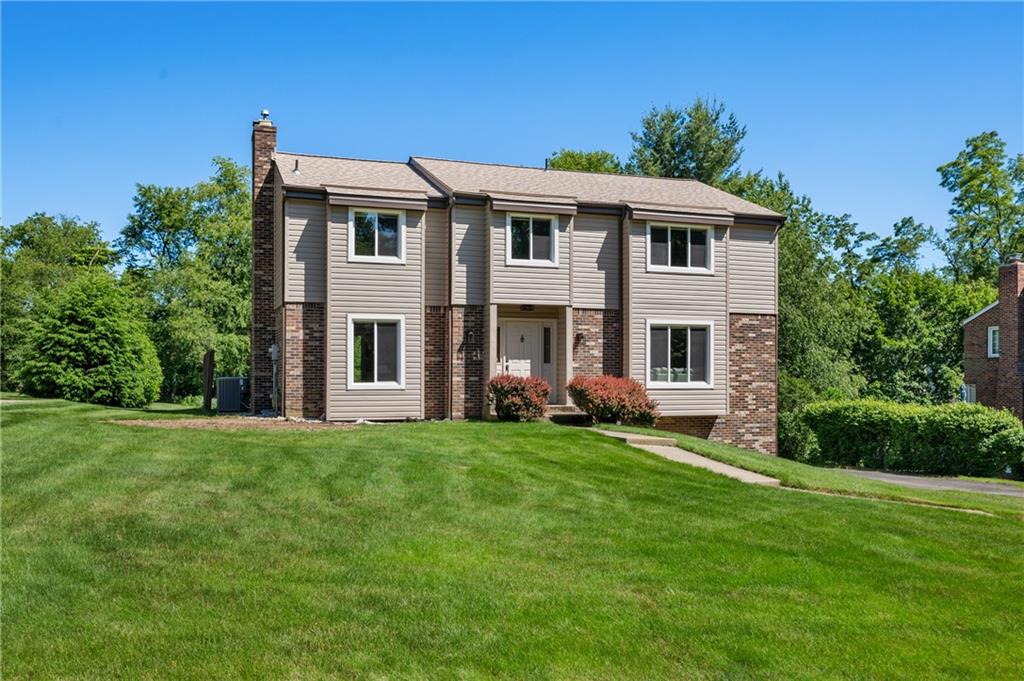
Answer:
(264, 141)
(753, 371)
(1009, 393)
(597, 342)
(303, 377)
(435, 362)
(467, 361)
(980, 370)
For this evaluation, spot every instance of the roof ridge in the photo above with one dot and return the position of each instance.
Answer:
(561, 170)
(342, 158)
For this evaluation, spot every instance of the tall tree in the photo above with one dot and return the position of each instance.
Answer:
(902, 251)
(987, 217)
(700, 142)
(39, 256)
(189, 255)
(597, 161)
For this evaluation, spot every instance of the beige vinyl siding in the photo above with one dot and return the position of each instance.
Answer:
(370, 289)
(664, 295)
(526, 284)
(435, 258)
(304, 260)
(278, 238)
(752, 269)
(469, 267)
(596, 261)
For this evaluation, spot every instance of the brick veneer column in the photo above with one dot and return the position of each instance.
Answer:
(1011, 283)
(597, 342)
(435, 362)
(264, 141)
(467, 361)
(753, 380)
(302, 368)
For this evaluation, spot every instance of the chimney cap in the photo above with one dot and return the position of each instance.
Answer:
(1015, 257)
(264, 114)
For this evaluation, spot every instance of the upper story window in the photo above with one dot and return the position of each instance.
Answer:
(375, 358)
(679, 354)
(680, 248)
(376, 235)
(993, 341)
(531, 240)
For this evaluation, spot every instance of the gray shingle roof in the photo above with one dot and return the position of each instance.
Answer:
(329, 171)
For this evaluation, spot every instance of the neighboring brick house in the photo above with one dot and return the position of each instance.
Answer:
(396, 290)
(994, 345)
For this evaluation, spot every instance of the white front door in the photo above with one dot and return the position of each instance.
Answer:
(522, 349)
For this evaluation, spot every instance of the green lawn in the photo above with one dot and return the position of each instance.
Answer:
(469, 551)
(803, 476)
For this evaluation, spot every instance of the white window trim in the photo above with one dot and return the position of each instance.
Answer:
(993, 351)
(689, 385)
(516, 262)
(710, 269)
(376, 385)
(386, 259)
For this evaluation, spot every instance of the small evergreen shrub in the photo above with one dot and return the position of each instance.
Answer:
(90, 346)
(796, 440)
(947, 439)
(610, 399)
(516, 398)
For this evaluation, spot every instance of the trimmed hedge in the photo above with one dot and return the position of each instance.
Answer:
(947, 439)
(610, 399)
(516, 398)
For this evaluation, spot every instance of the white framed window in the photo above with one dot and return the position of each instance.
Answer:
(993, 341)
(680, 248)
(969, 393)
(376, 355)
(376, 235)
(680, 353)
(531, 240)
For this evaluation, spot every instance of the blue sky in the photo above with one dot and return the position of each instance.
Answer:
(856, 103)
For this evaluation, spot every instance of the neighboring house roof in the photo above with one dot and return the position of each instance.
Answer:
(319, 172)
(978, 314)
(558, 189)
(482, 178)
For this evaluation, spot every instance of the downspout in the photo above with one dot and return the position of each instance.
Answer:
(448, 308)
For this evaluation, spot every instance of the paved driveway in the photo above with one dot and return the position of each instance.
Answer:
(928, 482)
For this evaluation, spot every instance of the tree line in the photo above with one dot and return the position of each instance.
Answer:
(859, 315)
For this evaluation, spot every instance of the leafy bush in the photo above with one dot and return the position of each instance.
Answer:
(90, 346)
(948, 439)
(796, 440)
(516, 398)
(610, 399)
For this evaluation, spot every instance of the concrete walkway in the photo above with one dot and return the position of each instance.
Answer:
(928, 482)
(666, 447)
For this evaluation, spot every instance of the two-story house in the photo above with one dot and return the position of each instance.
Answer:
(994, 345)
(396, 290)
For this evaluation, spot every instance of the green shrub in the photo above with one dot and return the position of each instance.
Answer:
(90, 346)
(516, 398)
(796, 440)
(1007, 445)
(947, 439)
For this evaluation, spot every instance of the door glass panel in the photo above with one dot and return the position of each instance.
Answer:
(362, 352)
(679, 257)
(698, 248)
(521, 238)
(699, 354)
(547, 345)
(387, 351)
(387, 235)
(659, 246)
(659, 353)
(679, 373)
(541, 239)
(364, 234)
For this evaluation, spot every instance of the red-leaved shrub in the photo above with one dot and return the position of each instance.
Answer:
(516, 398)
(610, 399)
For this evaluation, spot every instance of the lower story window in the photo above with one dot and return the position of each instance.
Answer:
(679, 354)
(375, 357)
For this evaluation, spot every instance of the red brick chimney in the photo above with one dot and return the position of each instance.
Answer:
(1009, 390)
(264, 142)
